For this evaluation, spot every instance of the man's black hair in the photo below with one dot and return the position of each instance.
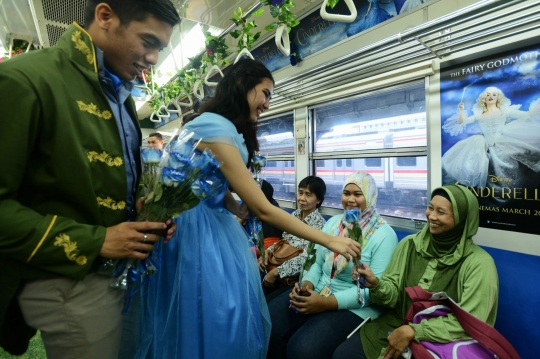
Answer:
(135, 10)
(156, 134)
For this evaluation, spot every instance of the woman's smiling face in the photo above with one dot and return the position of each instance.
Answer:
(352, 197)
(259, 98)
(440, 215)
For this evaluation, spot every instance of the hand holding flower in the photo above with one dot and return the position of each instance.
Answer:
(370, 279)
(345, 246)
(127, 240)
(270, 278)
(170, 232)
(304, 287)
(263, 262)
(243, 211)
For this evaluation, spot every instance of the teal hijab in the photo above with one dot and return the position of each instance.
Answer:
(455, 243)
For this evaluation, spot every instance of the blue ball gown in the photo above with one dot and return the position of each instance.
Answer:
(206, 301)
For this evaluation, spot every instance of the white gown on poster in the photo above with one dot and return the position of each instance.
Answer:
(411, 4)
(509, 137)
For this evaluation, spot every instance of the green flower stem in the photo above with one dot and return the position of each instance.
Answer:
(172, 202)
(356, 234)
(310, 259)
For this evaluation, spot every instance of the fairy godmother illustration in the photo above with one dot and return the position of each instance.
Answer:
(509, 137)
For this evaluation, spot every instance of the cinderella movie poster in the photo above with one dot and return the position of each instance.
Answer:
(490, 112)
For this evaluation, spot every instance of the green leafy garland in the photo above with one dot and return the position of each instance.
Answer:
(216, 51)
(280, 10)
(19, 47)
(332, 3)
(215, 54)
(245, 37)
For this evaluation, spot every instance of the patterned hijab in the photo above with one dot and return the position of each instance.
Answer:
(369, 221)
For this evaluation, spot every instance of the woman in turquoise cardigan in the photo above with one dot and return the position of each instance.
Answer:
(326, 303)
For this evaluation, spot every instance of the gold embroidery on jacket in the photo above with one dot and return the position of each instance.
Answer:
(109, 203)
(92, 109)
(62, 240)
(105, 158)
(42, 239)
(82, 47)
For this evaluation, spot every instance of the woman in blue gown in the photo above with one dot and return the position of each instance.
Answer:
(206, 301)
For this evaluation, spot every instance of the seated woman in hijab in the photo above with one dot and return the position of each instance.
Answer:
(440, 258)
(327, 303)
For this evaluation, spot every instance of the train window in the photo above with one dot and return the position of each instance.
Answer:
(282, 177)
(276, 136)
(386, 119)
(348, 162)
(373, 162)
(402, 192)
(406, 161)
(339, 163)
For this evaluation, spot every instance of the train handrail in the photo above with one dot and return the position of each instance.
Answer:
(337, 17)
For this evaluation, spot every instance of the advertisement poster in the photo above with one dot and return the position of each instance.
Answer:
(490, 112)
(314, 34)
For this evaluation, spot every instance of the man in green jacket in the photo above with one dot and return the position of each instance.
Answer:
(69, 146)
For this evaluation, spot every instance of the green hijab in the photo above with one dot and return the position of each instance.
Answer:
(455, 243)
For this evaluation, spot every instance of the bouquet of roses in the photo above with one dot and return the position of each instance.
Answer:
(174, 181)
(254, 223)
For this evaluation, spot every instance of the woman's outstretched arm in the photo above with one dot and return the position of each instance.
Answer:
(237, 174)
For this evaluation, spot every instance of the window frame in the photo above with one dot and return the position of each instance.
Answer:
(287, 159)
(418, 151)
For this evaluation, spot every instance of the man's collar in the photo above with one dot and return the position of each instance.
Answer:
(78, 44)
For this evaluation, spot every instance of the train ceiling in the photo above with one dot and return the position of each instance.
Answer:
(44, 21)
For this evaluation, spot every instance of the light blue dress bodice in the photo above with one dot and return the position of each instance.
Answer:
(213, 128)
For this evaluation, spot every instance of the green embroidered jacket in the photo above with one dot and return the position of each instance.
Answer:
(63, 177)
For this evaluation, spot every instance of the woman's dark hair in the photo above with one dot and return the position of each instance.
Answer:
(230, 99)
(315, 185)
(135, 10)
